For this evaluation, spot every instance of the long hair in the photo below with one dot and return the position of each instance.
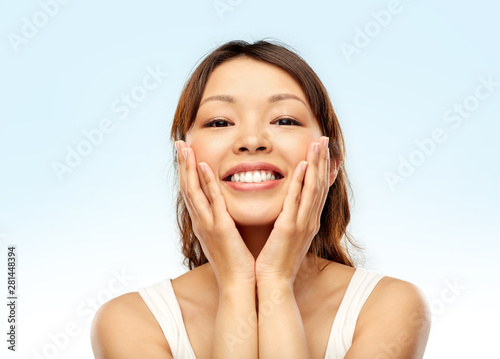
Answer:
(332, 240)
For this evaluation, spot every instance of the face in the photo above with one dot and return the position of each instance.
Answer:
(254, 122)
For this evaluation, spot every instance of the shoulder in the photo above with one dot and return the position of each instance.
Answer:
(395, 320)
(124, 328)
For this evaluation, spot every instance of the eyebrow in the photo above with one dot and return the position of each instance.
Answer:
(272, 99)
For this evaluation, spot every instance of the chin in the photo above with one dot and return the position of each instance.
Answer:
(254, 218)
(254, 223)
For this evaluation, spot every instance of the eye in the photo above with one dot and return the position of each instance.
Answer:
(287, 121)
(218, 122)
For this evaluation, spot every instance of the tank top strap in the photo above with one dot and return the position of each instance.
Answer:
(163, 304)
(359, 289)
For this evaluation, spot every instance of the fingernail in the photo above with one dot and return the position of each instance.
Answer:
(325, 141)
(316, 147)
(304, 165)
(177, 145)
(202, 167)
(185, 153)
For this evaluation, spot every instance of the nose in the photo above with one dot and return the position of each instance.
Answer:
(254, 138)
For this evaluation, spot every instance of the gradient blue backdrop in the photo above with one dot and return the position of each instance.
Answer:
(107, 227)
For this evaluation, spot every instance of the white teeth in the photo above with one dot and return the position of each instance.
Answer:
(253, 177)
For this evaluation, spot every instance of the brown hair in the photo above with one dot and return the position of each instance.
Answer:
(336, 214)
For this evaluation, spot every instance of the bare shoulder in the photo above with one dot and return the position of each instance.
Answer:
(394, 321)
(125, 328)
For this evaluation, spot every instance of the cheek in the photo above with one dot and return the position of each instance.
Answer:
(299, 144)
(209, 151)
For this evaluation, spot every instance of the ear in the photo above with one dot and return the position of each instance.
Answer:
(334, 170)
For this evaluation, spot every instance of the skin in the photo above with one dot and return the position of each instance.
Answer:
(255, 129)
(257, 241)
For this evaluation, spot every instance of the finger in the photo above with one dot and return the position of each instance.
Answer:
(202, 180)
(213, 193)
(194, 206)
(293, 196)
(192, 189)
(181, 160)
(181, 165)
(323, 181)
(311, 189)
(322, 166)
(327, 174)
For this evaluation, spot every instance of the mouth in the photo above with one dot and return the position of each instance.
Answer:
(253, 176)
(253, 172)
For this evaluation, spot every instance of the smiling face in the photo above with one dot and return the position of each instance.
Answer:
(253, 124)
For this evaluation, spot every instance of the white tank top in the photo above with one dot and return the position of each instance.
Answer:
(161, 300)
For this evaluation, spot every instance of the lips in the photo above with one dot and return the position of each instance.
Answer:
(250, 167)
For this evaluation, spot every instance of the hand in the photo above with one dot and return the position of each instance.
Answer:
(299, 221)
(232, 262)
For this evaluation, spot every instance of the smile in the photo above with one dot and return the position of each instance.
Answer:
(253, 186)
(254, 177)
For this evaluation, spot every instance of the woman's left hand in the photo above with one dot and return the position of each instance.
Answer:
(299, 221)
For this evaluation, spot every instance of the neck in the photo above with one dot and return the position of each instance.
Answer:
(255, 237)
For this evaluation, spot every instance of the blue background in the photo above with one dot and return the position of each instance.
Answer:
(107, 226)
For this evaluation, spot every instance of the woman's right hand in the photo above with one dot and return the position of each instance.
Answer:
(232, 262)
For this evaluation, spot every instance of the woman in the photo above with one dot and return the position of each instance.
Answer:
(263, 209)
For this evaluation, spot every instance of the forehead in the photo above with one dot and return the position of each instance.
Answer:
(245, 77)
